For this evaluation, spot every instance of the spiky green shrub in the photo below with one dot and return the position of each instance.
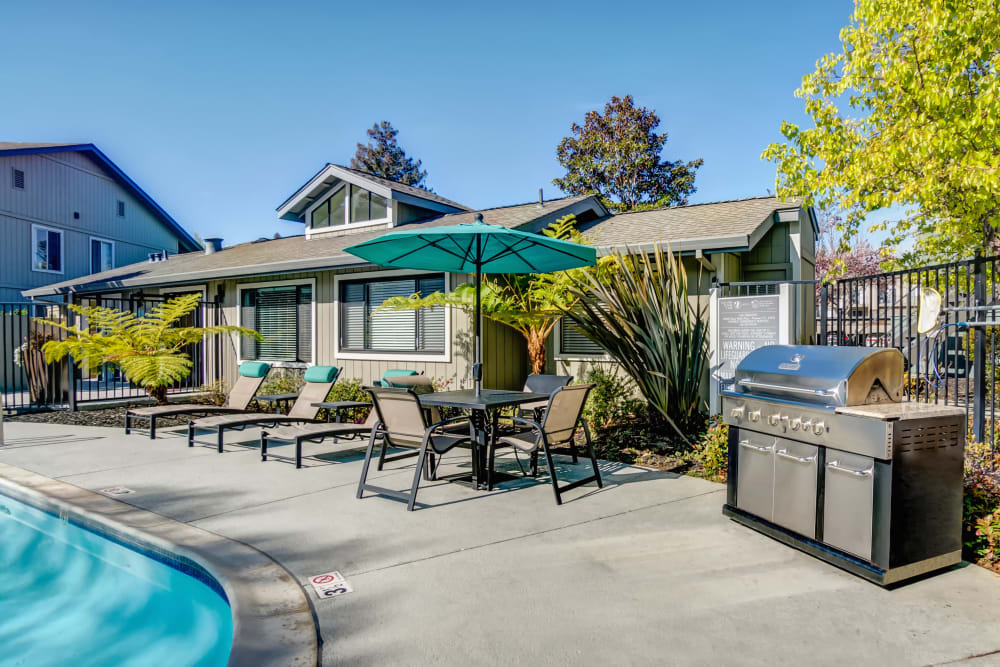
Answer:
(638, 308)
(149, 349)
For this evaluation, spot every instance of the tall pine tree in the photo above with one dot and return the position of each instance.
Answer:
(383, 156)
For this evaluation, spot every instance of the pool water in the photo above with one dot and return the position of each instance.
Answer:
(69, 596)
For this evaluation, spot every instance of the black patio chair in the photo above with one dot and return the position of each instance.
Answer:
(403, 423)
(563, 417)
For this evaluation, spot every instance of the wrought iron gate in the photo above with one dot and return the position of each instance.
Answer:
(28, 383)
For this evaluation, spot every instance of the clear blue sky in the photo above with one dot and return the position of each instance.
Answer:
(221, 112)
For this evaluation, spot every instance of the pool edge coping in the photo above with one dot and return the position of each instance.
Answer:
(273, 619)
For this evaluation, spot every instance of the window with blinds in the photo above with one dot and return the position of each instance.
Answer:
(364, 328)
(283, 316)
(572, 342)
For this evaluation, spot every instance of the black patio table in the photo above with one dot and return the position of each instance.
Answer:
(337, 408)
(280, 400)
(482, 411)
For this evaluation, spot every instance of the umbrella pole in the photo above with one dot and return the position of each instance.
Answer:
(477, 367)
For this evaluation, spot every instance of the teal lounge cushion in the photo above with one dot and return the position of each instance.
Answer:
(396, 373)
(254, 369)
(322, 374)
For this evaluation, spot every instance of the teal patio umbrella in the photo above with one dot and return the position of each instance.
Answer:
(474, 248)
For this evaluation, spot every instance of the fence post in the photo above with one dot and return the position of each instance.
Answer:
(71, 370)
(824, 297)
(979, 354)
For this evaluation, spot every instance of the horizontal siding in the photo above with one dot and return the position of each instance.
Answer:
(504, 353)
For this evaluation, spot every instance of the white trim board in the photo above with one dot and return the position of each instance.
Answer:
(389, 356)
(558, 355)
(62, 249)
(90, 256)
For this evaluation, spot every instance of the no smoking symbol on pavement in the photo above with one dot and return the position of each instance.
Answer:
(330, 585)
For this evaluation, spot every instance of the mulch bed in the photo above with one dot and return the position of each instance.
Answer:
(113, 417)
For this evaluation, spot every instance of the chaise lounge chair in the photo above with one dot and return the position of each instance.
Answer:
(251, 376)
(308, 432)
(319, 382)
(301, 433)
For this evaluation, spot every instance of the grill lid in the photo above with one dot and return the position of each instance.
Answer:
(824, 375)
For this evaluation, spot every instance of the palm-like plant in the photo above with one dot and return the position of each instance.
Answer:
(531, 304)
(640, 311)
(150, 349)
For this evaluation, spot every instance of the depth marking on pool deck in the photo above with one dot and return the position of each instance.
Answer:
(330, 584)
(116, 491)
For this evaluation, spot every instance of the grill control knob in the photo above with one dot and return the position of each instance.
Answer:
(773, 419)
(737, 413)
(807, 425)
(795, 424)
(754, 415)
(819, 428)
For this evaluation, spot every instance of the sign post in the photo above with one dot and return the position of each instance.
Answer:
(738, 326)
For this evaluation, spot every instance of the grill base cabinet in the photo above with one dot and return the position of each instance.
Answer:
(877, 490)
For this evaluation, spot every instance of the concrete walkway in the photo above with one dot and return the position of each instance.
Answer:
(646, 571)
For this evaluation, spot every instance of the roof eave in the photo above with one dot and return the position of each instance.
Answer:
(288, 208)
(288, 266)
(188, 242)
(737, 243)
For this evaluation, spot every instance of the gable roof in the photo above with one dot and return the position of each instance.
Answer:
(293, 253)
(185, 240)
(735, 224)
(294, 207)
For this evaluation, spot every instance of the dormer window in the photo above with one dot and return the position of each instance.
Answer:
(367, 206)
(331, 212)
(348, 205)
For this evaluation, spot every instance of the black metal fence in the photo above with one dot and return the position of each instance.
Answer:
(28, 383)
(957, 365)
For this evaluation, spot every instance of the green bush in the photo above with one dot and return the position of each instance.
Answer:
(282, 381)
(216, 393)
(612, 401)
(348, 389)
(711, 451)
(981, 505)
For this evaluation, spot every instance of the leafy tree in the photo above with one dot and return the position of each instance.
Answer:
(383, 156)
(618, 156)
(149, 349)
(908, 114)
(531, 304)
(840, 257)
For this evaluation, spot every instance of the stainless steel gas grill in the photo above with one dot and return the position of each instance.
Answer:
(824, 457)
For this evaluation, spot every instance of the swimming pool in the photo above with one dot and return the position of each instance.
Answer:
(71, 596)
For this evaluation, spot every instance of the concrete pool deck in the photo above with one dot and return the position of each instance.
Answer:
(645, 571)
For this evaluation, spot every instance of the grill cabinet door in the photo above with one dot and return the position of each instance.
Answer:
(848, 503)
(755, 474)
(796, 470)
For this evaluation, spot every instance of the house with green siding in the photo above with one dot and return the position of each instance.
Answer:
(316, 304)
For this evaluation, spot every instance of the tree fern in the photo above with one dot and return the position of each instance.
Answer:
(150, 349)
(531, 304)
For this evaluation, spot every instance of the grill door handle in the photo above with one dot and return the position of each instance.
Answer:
(783, 453)
(781, 387)
(834, 465)
(757, 448)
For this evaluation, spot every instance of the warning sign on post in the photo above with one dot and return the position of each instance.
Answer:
(744, 324)
(330, 584)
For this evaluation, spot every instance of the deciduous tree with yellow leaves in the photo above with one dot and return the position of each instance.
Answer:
(908, 115)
